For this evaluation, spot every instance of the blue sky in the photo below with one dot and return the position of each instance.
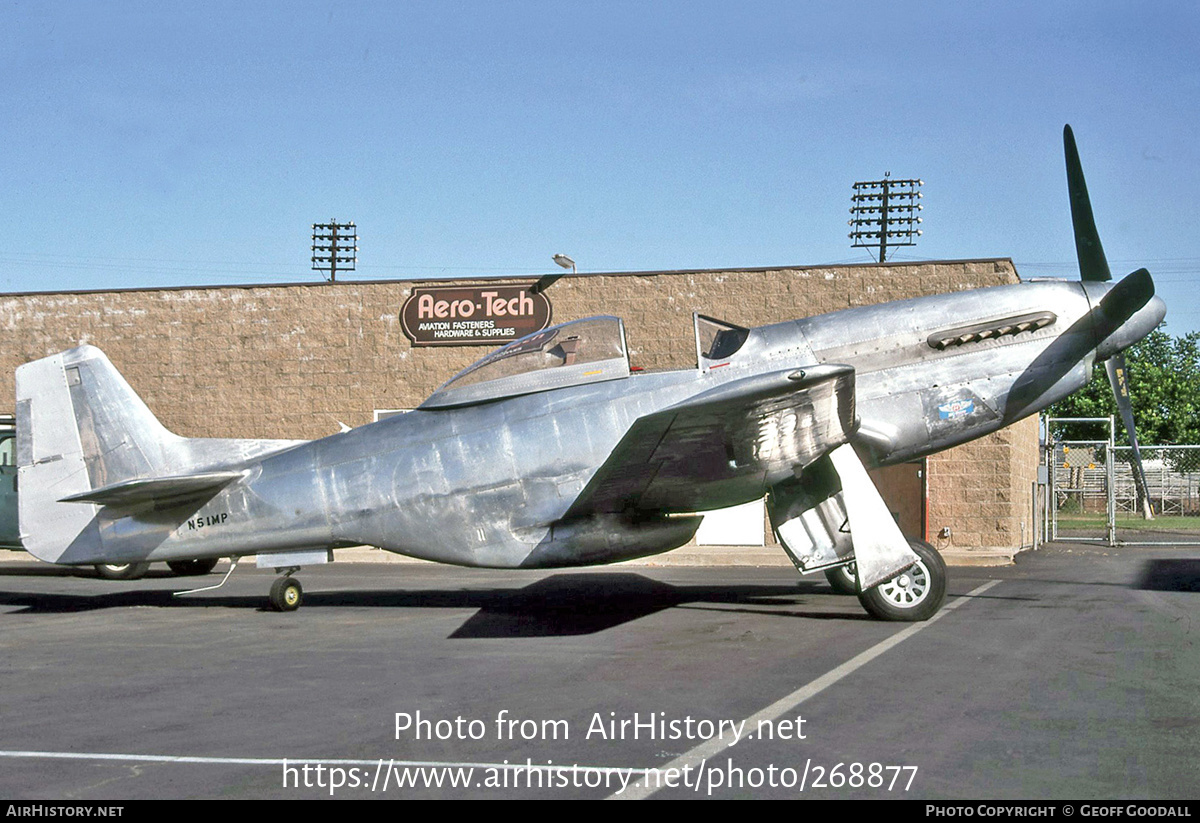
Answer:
(182, 144)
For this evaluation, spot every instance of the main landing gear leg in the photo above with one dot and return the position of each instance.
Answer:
(894, 578)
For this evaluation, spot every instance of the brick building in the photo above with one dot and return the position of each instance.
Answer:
(295, 360)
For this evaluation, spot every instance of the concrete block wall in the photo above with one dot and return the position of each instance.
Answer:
(982, 492)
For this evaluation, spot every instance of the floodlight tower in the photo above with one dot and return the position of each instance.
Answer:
(334, 247)
(884, 213)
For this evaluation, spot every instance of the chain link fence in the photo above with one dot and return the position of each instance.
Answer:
(1079, 485)
(1094, 496)
(1173, 484)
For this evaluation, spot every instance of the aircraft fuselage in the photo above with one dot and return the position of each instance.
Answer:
(489, 484)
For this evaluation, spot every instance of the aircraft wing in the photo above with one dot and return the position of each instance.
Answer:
(699, 454)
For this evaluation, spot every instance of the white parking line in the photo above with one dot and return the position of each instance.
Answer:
(784, 705)
(302, 761)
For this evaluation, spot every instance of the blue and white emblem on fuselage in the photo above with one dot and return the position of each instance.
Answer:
(955, 409)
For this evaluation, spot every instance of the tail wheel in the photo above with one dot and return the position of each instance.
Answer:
(122, 571)
(286, 594)
(192, 568)
(917, 593)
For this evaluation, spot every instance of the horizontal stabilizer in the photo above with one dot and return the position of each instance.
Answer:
(156, 489)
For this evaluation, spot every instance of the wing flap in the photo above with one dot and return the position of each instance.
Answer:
(706, 451)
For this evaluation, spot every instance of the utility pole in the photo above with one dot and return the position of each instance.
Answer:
(334, 247)
(884, 213)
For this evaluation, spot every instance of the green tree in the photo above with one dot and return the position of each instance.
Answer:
(1164, 385)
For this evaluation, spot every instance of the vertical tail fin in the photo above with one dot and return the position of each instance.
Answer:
(87, 444)
(79, 427)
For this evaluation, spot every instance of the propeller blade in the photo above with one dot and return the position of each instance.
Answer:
(1123, 301)
(1093, 265)
(1115, 366)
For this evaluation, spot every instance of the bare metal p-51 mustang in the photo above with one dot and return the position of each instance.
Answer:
(550, 452)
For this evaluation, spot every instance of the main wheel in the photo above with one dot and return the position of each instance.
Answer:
(286, 594)
(192, 568)
(915, 594)
(122, 571)
(843, 579)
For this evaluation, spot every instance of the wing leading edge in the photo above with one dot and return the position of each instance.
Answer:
(726, 445)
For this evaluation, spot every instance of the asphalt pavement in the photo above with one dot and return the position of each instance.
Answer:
(1071, 674)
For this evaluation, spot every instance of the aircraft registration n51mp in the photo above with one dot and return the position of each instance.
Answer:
(550, 452)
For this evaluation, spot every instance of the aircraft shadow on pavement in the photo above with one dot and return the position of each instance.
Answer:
(1170, 575)
(558, 605)
(574, 604)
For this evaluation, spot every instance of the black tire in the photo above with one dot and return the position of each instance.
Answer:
(192, 568)
(122, 571)
(286, 594)
(843, 579)
(917, 593)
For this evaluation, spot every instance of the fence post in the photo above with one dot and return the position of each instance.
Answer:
(1110, 476)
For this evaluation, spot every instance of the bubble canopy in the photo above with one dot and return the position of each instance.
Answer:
(585, 351)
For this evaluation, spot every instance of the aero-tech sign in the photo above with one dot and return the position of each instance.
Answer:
(473, 315)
